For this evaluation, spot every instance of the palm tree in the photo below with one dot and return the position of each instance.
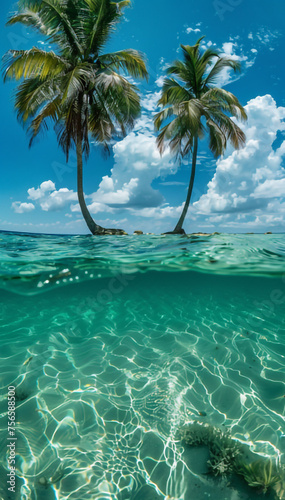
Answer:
(192, 106)
(80, 90)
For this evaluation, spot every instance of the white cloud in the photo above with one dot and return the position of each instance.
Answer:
(265, 36)
(45, 187)
(233, 51)
(162, 64)
(49, 198)
(173, 183)
(251, 181)
(271, 188)
(149, 103)
(57, 199)
(194, 30)
(163, 212)
(159, 81)
(21, 208)
(261, 39)
(228, 48)
(245, 55)
(95, 208)
(137, 163)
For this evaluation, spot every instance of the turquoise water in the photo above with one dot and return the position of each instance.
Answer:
(114, 343)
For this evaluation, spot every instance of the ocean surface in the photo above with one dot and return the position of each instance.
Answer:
(114, 343)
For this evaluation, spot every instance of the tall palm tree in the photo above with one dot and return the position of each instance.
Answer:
(82, 91)
(193, 106)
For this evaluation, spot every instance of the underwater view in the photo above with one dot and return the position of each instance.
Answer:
(143, 367)
(142, 250)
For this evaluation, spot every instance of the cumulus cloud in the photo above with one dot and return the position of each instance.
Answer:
(148, 103)
(159, 81)
(137, 163)
(270, 188)
(251, 181)
(21, 208)
(49, 198)
(163, 212)
(58, 199)
(40, 192)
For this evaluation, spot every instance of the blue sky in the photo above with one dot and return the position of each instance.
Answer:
(135, 188)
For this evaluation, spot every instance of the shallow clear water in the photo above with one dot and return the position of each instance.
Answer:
(114, 343)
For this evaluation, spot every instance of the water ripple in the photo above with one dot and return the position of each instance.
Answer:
(31, 264)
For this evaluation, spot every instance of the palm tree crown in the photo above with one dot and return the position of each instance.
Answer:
(80, 89)
(193, 106)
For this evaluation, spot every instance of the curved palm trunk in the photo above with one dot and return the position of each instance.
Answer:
(178, 228)
(92, 226)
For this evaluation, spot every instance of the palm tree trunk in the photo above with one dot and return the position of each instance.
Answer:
(178, 228)
(92, 226)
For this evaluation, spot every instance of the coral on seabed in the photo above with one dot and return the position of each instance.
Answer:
(261, 474)
(224, 450)
(227, 456)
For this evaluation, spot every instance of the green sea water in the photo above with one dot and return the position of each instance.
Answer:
(114, 343)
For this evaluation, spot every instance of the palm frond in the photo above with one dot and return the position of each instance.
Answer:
(35, 62)
(29, 17)
(103, 16)
(173, 93)
(230, 129)
(54, 15)
(122, 4)
(225, 101)
(190, 106)
(77, 80)
(130, 61)
(51, 111)
(78, 90)
(220, 64)
(179, 69)
(217, 138)
(101, 125)
(32, 95)
(120, 97)
(162, 116)
(54, 21)
(185, 125)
